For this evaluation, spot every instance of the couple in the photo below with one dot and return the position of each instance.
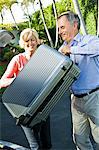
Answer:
(84, 51)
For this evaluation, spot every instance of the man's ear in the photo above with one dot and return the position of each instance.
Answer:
(75, 24)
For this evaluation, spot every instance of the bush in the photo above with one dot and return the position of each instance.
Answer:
(8, 55)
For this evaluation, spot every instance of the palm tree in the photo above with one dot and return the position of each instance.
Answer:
(1, 10)
(77, 9)
(2, 17)
(98, 21)
(24, 5)
(55, 13)
(43, 19)
(13, 18)
(8, 4)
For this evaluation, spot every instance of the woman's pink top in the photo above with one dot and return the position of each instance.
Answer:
(14, 67)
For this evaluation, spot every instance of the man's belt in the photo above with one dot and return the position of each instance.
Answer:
(85, 94)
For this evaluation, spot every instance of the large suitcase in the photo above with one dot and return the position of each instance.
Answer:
(39, 86)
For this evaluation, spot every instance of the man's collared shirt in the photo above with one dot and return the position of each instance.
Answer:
(85, 54)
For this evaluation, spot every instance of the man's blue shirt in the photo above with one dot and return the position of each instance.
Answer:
(85, 54)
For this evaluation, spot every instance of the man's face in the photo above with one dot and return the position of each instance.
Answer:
(66, 30)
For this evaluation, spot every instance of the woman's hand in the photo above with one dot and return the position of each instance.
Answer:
(6, 82)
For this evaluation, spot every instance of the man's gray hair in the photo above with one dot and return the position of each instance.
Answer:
(71, 16)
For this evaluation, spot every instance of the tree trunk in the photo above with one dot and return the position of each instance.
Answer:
(1, 18)
(28, 16)
(46, 29)
(98, 20)
(55, 13)
(14, 19)
(77, 9)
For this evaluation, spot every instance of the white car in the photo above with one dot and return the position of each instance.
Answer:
(10, 146)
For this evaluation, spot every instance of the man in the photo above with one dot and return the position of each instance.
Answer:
(84, 51)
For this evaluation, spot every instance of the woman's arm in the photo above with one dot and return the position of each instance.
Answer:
(10, 74)
(6, 82)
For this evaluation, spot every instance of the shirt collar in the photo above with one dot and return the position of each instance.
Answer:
(76, 39)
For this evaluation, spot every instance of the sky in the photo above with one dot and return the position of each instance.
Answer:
(18, 12)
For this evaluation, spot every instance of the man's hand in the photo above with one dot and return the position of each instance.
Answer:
(66, 50)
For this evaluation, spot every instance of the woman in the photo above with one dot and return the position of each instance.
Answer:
(39, 137)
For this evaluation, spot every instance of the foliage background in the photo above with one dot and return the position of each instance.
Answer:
(88, 8)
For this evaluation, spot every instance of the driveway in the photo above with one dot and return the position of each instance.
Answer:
(61, 126)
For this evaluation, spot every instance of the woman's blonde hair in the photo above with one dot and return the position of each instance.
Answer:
(26, 34)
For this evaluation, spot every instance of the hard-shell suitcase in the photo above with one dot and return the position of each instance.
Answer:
(39, 86)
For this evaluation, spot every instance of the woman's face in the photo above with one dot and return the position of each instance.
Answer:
(31, 44)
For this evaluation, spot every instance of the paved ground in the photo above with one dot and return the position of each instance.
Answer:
(61, 126)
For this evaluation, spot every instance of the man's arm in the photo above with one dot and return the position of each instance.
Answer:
(87, 47)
